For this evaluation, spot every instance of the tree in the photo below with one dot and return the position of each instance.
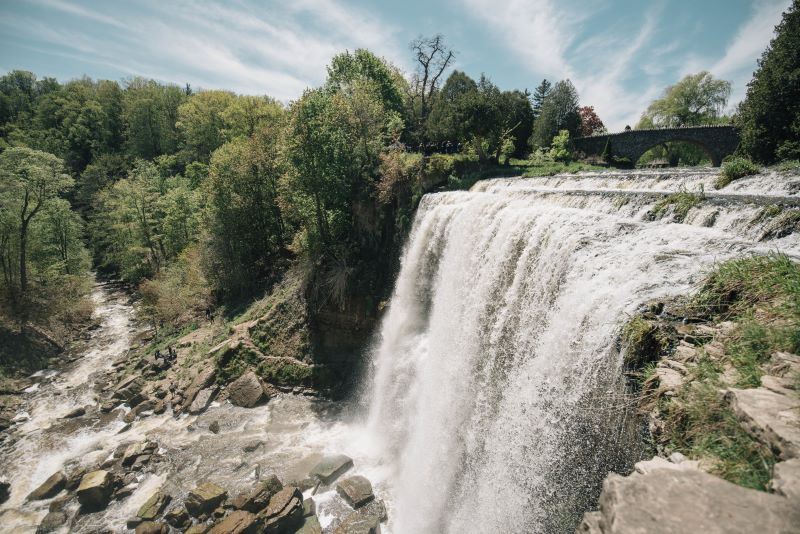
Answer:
(200, 120)
(433, 57)
(150, 113)
(30, 181)
(245, 114)
(448, 117)
(695, 100)
(559, 112)
(539, 95)
(590, 122)
(519, 118)
(346, 68)
(769, 116)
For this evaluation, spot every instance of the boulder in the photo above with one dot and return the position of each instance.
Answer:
(771, 418)
(214, 427)
(309, 507)
(252, 446)
(284, 513)
(52, 522)
(259, 498)
(177, 517)
(160, 407)
(204, 499)
(199, 528)
(590, 524)
(95, 489)
(74, 478)
(366, 520)
(128, 388)
(151, 527)
(132, 451)
(77, 412)
(247, 390)
(237, 522)
(310, 526)
(50, 487)
(5, 491)
(203, 379)
(786, 479)
(356, 490)
(202, 400)
(153, 507)
(331, 467)
(688, 500)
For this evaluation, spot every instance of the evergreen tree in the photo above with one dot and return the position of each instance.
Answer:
(559, 112)
(539, 96)
(769, 117)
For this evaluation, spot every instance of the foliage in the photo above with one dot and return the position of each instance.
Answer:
(590, 122)
(680, 202)
(643, 342)
(734, 169)
(559, 112)
(788, 166)
(540, 94)
(695, 100)
(559, 149)
(769, 116)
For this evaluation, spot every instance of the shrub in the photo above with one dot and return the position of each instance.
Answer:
(559, 148)
(791, 165)
(734, 169)
(681, 202)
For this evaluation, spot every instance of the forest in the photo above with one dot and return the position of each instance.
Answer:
(202, 199)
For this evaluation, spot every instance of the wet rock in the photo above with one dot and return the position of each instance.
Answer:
(770, 417)
(260, 497)
(132, 452)
(237, 522)
(124, 428)
(141, 462)
(202, 400)
(284, 511)
(160, 407)
(247, 390)
(203, 379)
(365, 520)
(252, 446)
(94, 491)
(74, 478)
(5, 423)
(590, 524)
(52, 522)
(5, 491)
(214, 427)
(150, 527)
(690, 500)
(137, 410)
(77, 412)
(309, 507)
(331, 467)
(199, 528)
(204, 498)
(128, 389)
(310, 526)
(107, 406)
(177, 517)
(355, 490)
(153, 507)
(786, 479)
(50, 487)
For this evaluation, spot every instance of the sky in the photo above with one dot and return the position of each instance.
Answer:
(620, 54)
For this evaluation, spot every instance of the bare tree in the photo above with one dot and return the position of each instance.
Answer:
(433, 57)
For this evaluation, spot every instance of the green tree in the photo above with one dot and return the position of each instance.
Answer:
(346, 68)
(695, 100)
(449, 110)
(245, 114)
(559, 112)
(769, 116)
(30, 181)
(200, 120)
(150, 114)
(540, 94)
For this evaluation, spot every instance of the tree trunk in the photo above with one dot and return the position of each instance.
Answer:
(23, 256)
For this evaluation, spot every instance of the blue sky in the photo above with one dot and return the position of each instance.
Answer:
(620, 54)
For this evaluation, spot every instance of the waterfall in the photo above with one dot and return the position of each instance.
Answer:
(496, 394)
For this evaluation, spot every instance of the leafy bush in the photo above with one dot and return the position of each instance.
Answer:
(681, 202)
(559, 148)
(734, 169)
(791, 165)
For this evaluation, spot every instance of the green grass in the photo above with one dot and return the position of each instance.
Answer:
(791, 165)
(552, 168)
(681, 202)
(733, 170)
(642, 342)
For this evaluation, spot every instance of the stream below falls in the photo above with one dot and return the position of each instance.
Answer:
(495, 400)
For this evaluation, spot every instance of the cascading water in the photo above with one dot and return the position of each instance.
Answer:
(497, 395)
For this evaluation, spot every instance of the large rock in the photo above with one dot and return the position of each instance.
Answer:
(128, 388)
(203, 379)
(786, 479)
(177, 517)
(331, 467)
(52, 522)
(50, 487)
(247, 390)
(284, 513)
(204, 499)
(259, 498)
(770, 417)
(95, 489)
(366, 520)
(153, 507)
(237, 522)
(202, 400)
(5, 491)
(356, 490)
(150, 527)
(673, 501)
(310, 526)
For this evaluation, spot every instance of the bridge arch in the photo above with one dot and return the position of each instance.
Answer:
(716, 160)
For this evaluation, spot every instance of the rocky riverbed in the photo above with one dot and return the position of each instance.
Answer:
(101, 444)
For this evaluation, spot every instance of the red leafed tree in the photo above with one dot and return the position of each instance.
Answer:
(590, 122)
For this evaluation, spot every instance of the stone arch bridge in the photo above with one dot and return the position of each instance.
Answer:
(716, 141)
